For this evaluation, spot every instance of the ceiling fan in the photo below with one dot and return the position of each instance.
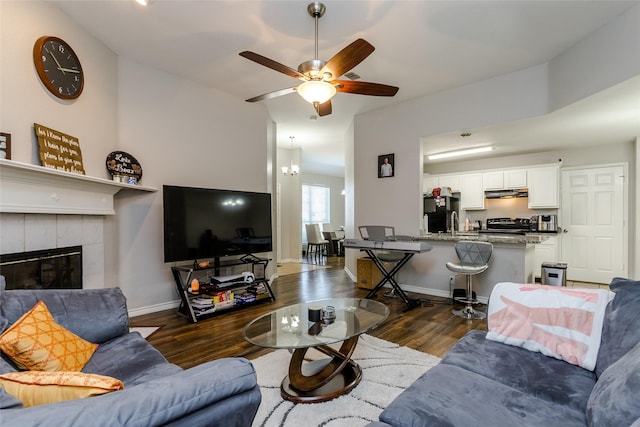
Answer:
(318, 85)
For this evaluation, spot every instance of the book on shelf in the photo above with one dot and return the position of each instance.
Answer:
(201, 303)
(200, 312)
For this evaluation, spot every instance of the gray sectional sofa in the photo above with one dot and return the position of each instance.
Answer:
(486, 383)
(219, 393)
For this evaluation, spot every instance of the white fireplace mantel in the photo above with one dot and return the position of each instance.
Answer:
(26, 188)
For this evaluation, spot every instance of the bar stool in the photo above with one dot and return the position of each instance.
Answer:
(474, 259)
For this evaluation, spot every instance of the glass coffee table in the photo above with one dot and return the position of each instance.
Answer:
(337, 320)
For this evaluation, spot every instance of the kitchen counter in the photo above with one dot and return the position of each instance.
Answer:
(529, 238)
(512, 261)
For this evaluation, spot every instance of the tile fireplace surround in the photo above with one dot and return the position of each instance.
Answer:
(42, 208)
(31, 232)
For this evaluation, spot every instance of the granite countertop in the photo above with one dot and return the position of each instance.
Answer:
(529, 238)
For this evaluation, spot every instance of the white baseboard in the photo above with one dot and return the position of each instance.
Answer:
(352, 276)
(282, 261)
(154, 308)
(434, 292)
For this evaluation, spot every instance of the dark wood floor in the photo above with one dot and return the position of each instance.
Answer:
(430, 328)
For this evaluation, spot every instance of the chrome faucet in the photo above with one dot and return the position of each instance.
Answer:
(454, 219)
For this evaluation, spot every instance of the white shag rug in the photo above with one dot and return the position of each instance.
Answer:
(387, 369)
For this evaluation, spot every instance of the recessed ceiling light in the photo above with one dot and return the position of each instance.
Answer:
(457, 153)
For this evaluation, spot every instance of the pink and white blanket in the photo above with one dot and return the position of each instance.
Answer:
(560, 322)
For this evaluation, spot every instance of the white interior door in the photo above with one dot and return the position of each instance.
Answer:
(593, 215)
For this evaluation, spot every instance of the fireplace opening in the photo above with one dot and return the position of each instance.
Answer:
(59, 268)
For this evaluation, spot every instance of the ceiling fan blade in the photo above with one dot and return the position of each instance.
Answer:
(364, 88)
(270, 63)
(273, 94)
(323, 109)
(348, 58)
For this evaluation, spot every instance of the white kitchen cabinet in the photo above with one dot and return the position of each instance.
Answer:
(429, 182)
(507, 179)
(543, 184)
(451, 181)
(515, 179)
(546, 251)
(493, 180)
(471, 191)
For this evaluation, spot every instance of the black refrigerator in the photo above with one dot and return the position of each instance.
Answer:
(438, 211)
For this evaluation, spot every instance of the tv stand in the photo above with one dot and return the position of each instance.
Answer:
(212, 299)
(249, 258)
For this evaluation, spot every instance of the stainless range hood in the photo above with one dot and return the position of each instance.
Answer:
(506, 194)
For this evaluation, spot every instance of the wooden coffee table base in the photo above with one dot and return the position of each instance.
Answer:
(321, 380)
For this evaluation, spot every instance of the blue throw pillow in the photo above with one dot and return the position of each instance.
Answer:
(614, 399)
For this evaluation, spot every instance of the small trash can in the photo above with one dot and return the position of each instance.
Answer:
(554, 273)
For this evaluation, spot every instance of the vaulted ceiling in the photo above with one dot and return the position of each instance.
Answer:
(422, 47)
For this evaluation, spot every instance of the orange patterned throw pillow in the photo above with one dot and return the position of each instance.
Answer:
(37, 388)
(37, 343)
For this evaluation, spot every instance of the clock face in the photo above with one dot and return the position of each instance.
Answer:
(58, 67)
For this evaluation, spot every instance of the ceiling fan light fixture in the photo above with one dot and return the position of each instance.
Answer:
(458, 153)
(316, 91)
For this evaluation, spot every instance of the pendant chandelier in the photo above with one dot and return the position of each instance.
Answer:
(292, 169)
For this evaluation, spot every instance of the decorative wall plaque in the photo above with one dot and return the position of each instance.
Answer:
(124, 164)
(58, 150)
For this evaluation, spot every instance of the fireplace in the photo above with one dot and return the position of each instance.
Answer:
(59, 268)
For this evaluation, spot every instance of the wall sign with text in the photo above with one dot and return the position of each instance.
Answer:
(58, 150)
(124, 164)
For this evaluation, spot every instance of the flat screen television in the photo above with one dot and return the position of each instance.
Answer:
(201, 223)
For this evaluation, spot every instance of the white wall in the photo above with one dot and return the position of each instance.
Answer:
(607, 57)
(182, 134)
(290, 207)
(349, 197)
(398, 129)
(92, 118)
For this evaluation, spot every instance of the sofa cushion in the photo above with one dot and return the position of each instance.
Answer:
(621, 331)
(560, 322)
(131, 359)
(36, 342)
(96, 315)
(206, 388)
(38, 388)
(533, 373)
(448, 395)
(614, 400)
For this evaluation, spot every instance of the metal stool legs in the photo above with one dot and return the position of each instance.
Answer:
(468, 312)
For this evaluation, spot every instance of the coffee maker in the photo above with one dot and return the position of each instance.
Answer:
(546, 223)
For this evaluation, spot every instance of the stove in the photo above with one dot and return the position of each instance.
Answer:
(507, 226)
(501, 231)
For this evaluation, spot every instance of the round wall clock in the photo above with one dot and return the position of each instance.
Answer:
(58, 67)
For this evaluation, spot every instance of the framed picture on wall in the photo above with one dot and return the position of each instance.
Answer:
(5, 145)
(386, 166)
